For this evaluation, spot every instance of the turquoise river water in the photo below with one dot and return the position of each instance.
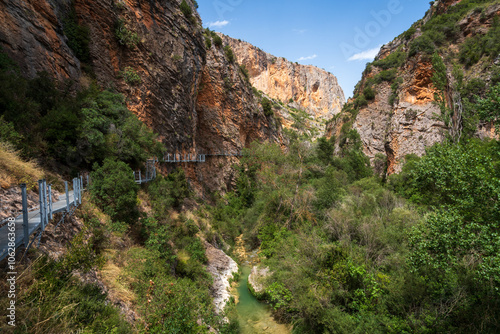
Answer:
(255, 317)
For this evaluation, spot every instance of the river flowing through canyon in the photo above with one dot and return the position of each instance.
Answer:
(253, 316)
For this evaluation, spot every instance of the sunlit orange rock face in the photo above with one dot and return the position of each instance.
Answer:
(194, 98)
(414, 121)
(308, 88)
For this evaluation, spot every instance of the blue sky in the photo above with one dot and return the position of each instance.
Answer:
(338, 36)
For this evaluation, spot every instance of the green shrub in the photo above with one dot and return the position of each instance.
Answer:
(114, 190)
(131, 76)
(267, 106)
(393, 60)
(476, 47)
(229, 53)
(125, 36)
(474, 89)
(78, 37)
(489, 107)
(369, 93)
(360, 101)
(217, 40)
(79, 306)
(471, 51)
(8, 133)
(105, 122)
(388, 75)
(186, 9)
(169, 192)
(422, 44)
(409, 33)
(208, 42)
(245, 73)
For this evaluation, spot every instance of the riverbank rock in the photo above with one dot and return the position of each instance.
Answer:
(222, 268)
(256, 278)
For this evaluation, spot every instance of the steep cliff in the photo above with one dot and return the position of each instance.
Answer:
(155, 54)
(421, 87)
(301, 87)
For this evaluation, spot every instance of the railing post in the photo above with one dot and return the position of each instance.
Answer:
(26, 232)
(40, 200)
(67, 195)
(74, 192)
(80, 188)
(88, 181)
(50, 202)
(140, 177)
(45, 204)
(40, 194)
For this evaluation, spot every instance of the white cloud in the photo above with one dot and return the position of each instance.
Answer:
(307, 58)
(300, 31)
(365, 55)
(218, 24)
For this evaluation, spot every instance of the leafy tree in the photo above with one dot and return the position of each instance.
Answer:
(114, 190)
(324, 150)
(109, 129)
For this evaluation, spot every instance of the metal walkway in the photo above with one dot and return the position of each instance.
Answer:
(178, 157)
(150, 174)
(17, 232)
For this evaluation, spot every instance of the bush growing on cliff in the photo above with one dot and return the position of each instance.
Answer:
(217, 40)
(229, 53)
(267, 106)
(393, 60)
(369, 93)
(186, 9)
(78, 37)
(131, 76)
(125, 36)
(422, 44)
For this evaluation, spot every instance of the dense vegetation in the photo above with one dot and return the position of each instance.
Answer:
(349, 253)
(76, 129)
(348, 249)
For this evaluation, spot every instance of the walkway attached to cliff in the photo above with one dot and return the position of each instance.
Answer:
(17, 231)
(178, 157)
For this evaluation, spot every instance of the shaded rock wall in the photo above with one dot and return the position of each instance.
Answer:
(194, 98)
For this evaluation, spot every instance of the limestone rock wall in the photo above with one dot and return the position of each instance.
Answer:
(193, 97)
(303, 87)
(414, 121)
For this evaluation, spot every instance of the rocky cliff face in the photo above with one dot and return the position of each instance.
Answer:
(191, 95)
(308, 88)
(395, 108)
